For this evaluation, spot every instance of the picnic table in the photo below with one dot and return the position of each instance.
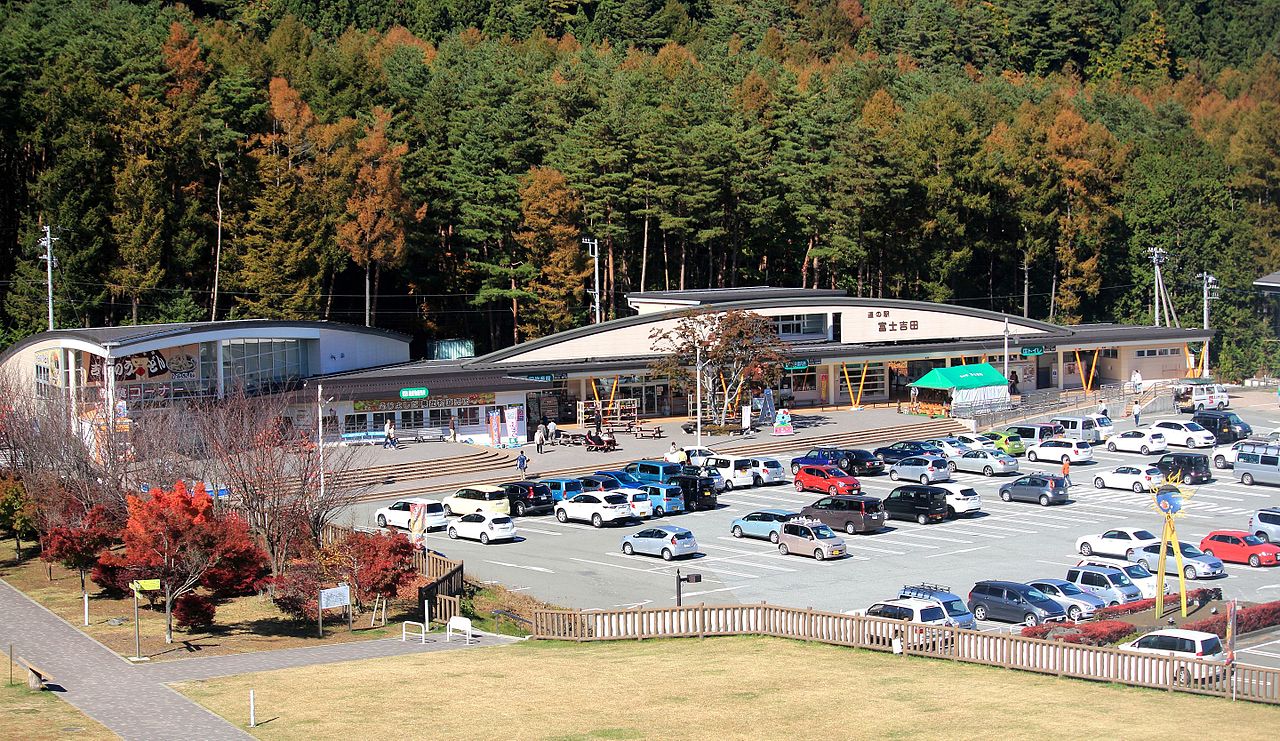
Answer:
(652, 433)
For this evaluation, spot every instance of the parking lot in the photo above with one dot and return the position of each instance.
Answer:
(577, 565)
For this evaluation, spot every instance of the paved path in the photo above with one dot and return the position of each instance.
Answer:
(135, 701)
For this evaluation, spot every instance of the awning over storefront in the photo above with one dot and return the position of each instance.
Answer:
(978, 385)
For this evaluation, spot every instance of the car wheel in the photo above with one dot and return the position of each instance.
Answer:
(773, 537)
(922, 519)
(979, 613)
(1145, 450)
(1254, 561)
(1074, 613)
(832, 491)
(1005, 496)
(951, 466)
(1030, 620)
(453, 533)
(1111, 447)
(562, 516)
(843, 463)
(1031, 456)
(924, 480)
(1128, 555)
(1184, 676)
(484, 539)
(1114, 604)
(1219, 461)
(1099, 483)
(1263, 536)
(520, 509)
(1143, 563)
(1221, 406)
(988, 471)
(659, 512)
(737, 531)
(757, 481)
(382, 521)
(893, 475)
(951, 512)
(1199, 407)
(728, 485)
(1044, 500)
(448, 511)
(597, 520)
(1189, 572)
(795, 468)
(1137, 488)
(666, 554)
(799, 486)
(1086, 549)
(850, 528)
(627, 549)
(818, 555)
(782, 548)
(1247, 479)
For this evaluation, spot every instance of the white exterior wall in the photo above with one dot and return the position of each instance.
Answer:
(340, 351)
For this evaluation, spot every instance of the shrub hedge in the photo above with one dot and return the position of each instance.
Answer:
(1101, 633)
(1249, 619)
(1143, 605)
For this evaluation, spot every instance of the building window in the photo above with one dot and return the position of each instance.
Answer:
(1110, 353)
(800, 380)
(439, 417)
(801, 324)
(468, 416)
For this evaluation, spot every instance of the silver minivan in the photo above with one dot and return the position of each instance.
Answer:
(1109, 585)
(1260, 465)
(1079, 428)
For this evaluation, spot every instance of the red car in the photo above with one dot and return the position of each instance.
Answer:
(830, 479)
(1238, 546)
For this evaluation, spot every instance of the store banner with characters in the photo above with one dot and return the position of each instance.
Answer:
(177, 363)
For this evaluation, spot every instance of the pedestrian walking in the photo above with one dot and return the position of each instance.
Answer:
(1137, 410)
(551, 432)
(539, 438)
(453, 429)
(389, 435)
(673, 454)
(522, 463)
(1066, 470)
(1102, 409)
(599, 421)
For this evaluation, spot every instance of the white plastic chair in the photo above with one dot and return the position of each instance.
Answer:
(461, 626)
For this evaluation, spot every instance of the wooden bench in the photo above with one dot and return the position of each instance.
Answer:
(652, 433)
(37, 678)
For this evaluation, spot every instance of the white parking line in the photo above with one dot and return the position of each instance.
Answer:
(713, 591)
(1004, 528)
(952, 553)
(847, 544)
(615, 565)
(526, 529)
(521, 566)
(914, 534)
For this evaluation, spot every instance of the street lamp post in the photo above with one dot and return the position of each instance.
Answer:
(593, 249)
(688, 579)
(697, 369)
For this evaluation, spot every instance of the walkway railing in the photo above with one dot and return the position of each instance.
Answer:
(1257, 684)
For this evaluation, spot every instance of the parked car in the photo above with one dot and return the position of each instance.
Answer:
(1187, 434)
(765, 523)
(769, 470)
(1137, 574)
(1035, 432)
(1076, 451)
(708, 472)
(1079, 428)
(667, 499)
(698, 492)
(830, 479)
(484, 527)
(962, 499)
(1137, 478)
(1078, 603)
(854, 461)
(1188, 468)
(657, 472)
(905, 449)
(1196, 564)
(985, 462)
(666, 541)
(976, 441)
(599, 483)
(1265, 523)
(918, 502)
(914, 610)
(562, 488)
(1237, 546)
(528, 497)
(1225, 456)
(864, 463)
(1194, 397)
(810, 538)
(1038, 487)
(949, 446)
(734, 470)
(697, 456)
(1258, 464)
(641, 506)
(1145, 441)
(1106, 427)
(622, 477)
(1108, 583)
(1226, 427)
(478, 498)
(1013, 602)
(400, 513)
(957, 611)
(925, 469)
(596, 508)
(1182, 644)
(852, 514)
(1120, 542)
(1009, 443)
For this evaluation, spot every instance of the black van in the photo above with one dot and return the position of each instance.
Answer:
(1226, 426)
(699, 491)
(1188, 468)
(924, 504)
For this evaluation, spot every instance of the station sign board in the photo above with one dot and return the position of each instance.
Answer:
(414, 393)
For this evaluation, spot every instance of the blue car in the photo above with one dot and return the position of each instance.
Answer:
(765, 523)
(623, 478)
(562, 488)
(667, 499)
(655, 472)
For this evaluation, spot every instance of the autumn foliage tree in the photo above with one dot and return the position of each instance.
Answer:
(372, 564)
(77, 546)
(180, 539)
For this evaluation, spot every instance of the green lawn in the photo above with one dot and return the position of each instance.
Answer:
(37, 716)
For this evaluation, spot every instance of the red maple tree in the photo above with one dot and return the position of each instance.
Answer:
(79, 546)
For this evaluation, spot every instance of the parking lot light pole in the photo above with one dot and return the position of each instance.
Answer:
(689, 579)
(697, 368)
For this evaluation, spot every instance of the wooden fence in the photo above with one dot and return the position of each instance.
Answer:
(1257, 684)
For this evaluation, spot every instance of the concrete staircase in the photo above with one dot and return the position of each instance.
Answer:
(382, 475)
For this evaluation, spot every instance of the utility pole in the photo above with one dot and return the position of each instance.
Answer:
(1209, 291)
(50, 264)
(1158, 257)
(593, 249)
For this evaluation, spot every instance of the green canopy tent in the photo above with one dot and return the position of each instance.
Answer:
(972, 388)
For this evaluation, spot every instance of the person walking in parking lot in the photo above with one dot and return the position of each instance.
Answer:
(389, 435)
(522, 463)
(539, 438)
(1066, 471)
(551, 432)
(1137, 412)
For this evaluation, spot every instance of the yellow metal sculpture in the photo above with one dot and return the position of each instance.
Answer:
(1168, 500)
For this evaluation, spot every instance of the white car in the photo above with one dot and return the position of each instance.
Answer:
(962, 499)
(400, 514)
(1190, 434)
(477, 498)
(1145, 442)
(976, 442)
(1142, 578)
(641, 505)
(737, 471)
(484, 527)
(1059, 449)
(770, 470)
(1119, 542)
(1225, 457)
(1137, 478)
(596, 508)
(698, 456)
(950, 446)
(1182, 644)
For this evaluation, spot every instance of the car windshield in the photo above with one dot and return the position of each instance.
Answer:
(640, 497)
(1143, 535)
(1104, 421)
(1014, 439)
(1234, 419)
(1211, 646)
(685, 535)
(1069, 589)
(1035, 595)
(1190, 550)
(438, 507)
(955, 607)
(931, 614)
(772, 464)
(572, 486)
(863, 455)
(624, 477)
(1252, 540)
(502, 520)
(968, 493)
(1135, 571)
(608, 483)
(1194, 427)
(615, 499)
(823, 532)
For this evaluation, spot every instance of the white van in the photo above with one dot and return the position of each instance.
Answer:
(736, 471)
(1193, 397)
(1079, 428)
(1106, 428)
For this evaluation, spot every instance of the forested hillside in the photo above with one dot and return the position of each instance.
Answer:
(271, 158)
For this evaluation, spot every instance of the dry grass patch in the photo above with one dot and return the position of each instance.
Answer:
(38, 716)
(691, 689)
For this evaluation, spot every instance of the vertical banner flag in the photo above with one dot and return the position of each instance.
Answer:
(495, 428)
(418, 523)
(513, 425)
(1231, 631)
